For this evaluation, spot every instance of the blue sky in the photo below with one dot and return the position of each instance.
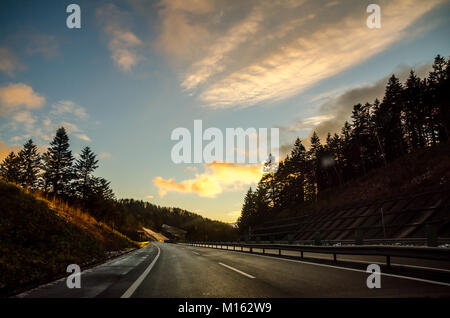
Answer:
(136, 70)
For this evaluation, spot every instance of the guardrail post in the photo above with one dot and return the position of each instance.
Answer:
(251, 249)
(279, 252)
(290, 238)
(317, 239)
(359, 239)
(301, 254)
(234, 247)
(263, 251)
(432, 240)
(334, 258)
(388, 261)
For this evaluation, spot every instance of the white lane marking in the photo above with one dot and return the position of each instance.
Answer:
(236, 270)
(368, 262)
(195, 253)
(141, 278)
(346, 268)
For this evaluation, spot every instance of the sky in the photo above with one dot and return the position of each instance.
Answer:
(136, 70)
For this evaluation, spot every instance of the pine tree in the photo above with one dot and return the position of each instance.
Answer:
(247, 213)
(83, 168)
(100, 189)
(10, 168)
(296, 173)
(439, 105)
(389, 120)
(58, 165)
(315, 175)
(413, 112)
(30, 162)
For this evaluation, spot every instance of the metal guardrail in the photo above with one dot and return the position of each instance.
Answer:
(411, 240)
(431, 253)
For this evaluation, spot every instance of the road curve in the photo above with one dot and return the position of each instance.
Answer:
(173, 270)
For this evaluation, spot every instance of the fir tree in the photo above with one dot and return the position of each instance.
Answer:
(30, 162)
(10, 168)
(58, 165)
(83, 168)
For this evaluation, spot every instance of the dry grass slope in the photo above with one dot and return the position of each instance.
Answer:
(39, 238)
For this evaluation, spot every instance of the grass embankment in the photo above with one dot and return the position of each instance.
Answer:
(39, 238)
(426, 169)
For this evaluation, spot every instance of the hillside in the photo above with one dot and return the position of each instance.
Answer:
(39, 238)
(412, 191)
(421, 171)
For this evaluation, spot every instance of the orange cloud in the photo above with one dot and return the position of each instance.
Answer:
(15, 95)
(217, 178)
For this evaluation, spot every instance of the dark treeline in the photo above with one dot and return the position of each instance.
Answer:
(411, 116)
(58, 174)
(132, 213)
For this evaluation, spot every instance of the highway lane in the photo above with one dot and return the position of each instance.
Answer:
(110, 279)
(173, 270)
(363, 259)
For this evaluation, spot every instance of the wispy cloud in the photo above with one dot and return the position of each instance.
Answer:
(41, 43)
(9, 63)
(123, 43)
(69, 107)
(271, 51)
(83, 137)
(105, 155)
(217, 178)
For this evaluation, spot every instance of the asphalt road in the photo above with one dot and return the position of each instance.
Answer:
(173, 270)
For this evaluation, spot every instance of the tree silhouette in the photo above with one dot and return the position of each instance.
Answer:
(58, 166)
(83, 169)
(10, 168)
(409, 117)
(30, 162)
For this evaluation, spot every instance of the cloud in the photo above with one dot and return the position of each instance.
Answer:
(105, 155)
(83, 137)
(123, 43)
(26, 118)
(217, 178)
(149, 196)
(16, 95)
(9, 63)
(69, 107)
(180, 37)
(308, 123)
(40, 43)
(269, 51)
